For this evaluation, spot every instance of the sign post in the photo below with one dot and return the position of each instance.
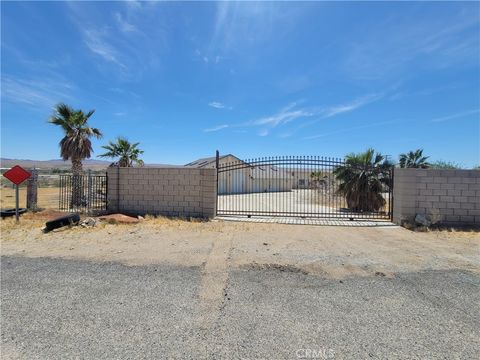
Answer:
(16, 203)
(17, 175)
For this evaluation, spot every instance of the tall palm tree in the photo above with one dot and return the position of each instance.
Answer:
(414, 159)
(363, 179)
(126, 152)
(76, 144)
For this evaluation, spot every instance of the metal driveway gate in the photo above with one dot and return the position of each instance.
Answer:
(306, 186)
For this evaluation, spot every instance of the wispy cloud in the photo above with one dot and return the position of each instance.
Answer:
(353, 128)
(353, 105)
(120, 39)
(263, 132)
(292, 112)
(36, 92)
(249, 24)
(96, 42)
(124, 25)
(456, 116)
(216, 105)
(388, 47)
(213, 59)
(284, 116)
(217, 128)
(120, 113)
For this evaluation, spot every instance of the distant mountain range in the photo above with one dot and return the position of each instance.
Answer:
(52, 164)
(60, 164)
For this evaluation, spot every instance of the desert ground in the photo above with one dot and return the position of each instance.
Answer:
(218, 289)
(47, 197)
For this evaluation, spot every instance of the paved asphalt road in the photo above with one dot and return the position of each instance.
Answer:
(62, 309)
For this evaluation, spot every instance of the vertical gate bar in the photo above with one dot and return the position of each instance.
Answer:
(293, 204)
(229, 187)
(84, 199)
(335, 197)
(328, 195)
(289, 187)
(324, 190)
(217, 163)
(311, 184)
(68, 194)
(63, 192)
(303, 161)
(91, 189)
(60, 193)
(332, 210)
(97, 185)
(278, 179)
(105, 202)
(392, 184)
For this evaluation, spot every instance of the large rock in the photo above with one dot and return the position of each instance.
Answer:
(421, 219)
(119, 219)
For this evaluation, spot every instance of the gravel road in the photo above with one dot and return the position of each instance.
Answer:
(65, 309)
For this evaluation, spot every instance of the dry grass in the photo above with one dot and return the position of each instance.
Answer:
(47, 197)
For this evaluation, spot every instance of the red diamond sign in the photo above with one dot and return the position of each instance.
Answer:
(17, 174)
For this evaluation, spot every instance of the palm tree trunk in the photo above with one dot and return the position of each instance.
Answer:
(77, 187)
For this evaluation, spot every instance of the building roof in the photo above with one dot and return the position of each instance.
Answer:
(209, 160)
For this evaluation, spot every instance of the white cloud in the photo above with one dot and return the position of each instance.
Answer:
(217, 105)
(285, 115)
(457, 115)
(42, 92)
(217, 128)
(353, 105)
(263, 132)
(123, 24)
(96, 42)
(353, 128)
(282, 117)
(120, 113)
(388, 47)
(247, 24)
(292, 112)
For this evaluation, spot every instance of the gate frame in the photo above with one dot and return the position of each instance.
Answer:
(387, 214)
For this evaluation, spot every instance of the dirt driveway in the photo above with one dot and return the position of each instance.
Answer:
(332, 251)
(174, 289)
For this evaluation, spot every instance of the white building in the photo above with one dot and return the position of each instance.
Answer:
(244, 178)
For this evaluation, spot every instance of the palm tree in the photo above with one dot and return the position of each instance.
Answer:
(126, 152)
(414, 159)
(364, 177)
(318, 178)
(76, 144)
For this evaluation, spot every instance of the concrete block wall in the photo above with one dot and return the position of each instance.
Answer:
(172, 191)
(452, 195)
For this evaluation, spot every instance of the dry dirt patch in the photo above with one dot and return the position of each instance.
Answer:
(330, 251)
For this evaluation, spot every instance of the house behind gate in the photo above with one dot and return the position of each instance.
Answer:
(245, 178)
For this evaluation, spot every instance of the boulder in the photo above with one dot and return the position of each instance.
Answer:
(119, 219)
(421, 219)
(89, 222)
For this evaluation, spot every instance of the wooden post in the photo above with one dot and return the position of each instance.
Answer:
(32, 191)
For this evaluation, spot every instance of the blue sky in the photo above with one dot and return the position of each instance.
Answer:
(252, 79)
